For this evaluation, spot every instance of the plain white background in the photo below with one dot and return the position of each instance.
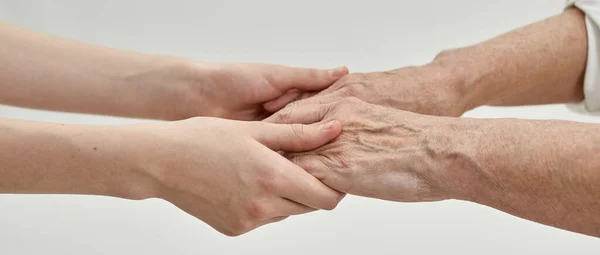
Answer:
(365, 35)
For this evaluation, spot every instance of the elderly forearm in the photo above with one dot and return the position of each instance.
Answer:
(48, 72)
(62, 159)
(545, 171)
(538, 64)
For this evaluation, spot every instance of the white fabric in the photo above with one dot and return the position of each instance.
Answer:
(591, 84)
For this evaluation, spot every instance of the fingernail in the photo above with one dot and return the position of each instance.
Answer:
(327, 125)
(338, 72)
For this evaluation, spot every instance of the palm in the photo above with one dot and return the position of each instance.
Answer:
(254, 91)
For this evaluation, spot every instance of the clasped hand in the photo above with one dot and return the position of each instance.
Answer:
(230, 175)
(382, 153)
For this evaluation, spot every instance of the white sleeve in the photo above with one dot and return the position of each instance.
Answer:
(591, 83)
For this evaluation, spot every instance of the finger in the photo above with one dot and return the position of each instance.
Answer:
(308, 190)
(306, 79)
(286, 100)
(316, 166)
(305, 95)
(278, 103)
(301, 187)
(311, 164)
(305, 114)
(285, 207)
(324, 97)
(295, 137)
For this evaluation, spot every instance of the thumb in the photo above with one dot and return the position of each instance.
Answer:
(278, 103)
(295, 137)
(304, 79)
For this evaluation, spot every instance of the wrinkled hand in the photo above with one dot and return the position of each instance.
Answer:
(382, 152)
(241, 91)
(428, 89)
(227, 173)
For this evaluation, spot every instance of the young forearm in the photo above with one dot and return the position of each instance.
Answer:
(63, 159)
(541, 63)
(545, 171)
(47, 72)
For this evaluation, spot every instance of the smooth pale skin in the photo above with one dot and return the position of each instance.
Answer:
(543, 170)
(47, 72)
(188, 163)
(193, 163)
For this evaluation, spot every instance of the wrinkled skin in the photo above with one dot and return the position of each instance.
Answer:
(382, 152)
(429, 89)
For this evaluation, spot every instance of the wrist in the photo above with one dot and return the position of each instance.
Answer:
(467, 74)
(454, 151)
(480, 152)
(106, 154)
(135, 176)
(168, 88)
(449, 89)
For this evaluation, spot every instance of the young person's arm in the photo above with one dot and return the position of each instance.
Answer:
(226, 173)
(48, 72)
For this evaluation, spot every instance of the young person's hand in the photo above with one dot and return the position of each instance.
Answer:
(228, 173)
(242, 91)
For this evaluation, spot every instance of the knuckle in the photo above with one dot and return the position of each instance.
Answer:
(284, 114)
(348, 101)
(298, 132)
(353, 100)
(321, 113)
(297, 161)
(352, 77)
(345, 79)
(302, 99)
(348, 91)
(258, 210)
(297, 129)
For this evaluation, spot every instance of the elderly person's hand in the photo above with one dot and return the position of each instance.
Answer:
(546, 171)
(382, 152)
(430, 89)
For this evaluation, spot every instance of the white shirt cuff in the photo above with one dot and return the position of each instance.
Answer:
(591, 84)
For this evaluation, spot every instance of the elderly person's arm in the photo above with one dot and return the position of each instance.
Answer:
(542, 170)
(541, 63)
